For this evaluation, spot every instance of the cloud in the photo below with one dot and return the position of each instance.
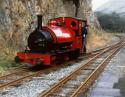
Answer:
(98, 3)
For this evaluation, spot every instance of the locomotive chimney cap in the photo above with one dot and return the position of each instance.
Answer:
(38, 10)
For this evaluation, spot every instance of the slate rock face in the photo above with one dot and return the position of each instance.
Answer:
(18, 17)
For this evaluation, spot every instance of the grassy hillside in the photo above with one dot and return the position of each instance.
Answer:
(6, 59)
(97, 38)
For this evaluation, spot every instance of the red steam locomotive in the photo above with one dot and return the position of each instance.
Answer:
(59, 41)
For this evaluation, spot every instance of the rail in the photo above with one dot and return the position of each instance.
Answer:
(55, 90)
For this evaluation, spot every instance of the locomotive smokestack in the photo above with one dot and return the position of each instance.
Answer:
(39, 20)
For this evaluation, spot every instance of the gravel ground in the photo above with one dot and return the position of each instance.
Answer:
(37, 85)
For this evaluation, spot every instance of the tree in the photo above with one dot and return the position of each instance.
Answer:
(111, 22)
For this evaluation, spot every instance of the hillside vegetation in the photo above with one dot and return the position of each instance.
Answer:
(97, 39)
(111, 22)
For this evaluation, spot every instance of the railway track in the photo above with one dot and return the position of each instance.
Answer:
(15, 78)
(95, 52)
(83, 77)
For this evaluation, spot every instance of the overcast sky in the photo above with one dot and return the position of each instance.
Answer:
(98, 3)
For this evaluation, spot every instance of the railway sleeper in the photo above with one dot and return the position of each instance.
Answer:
(85, 72)
(80, 78)
(90, 68)
(70, 86)
(63, 93)
(57, 95)
(3, 81)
